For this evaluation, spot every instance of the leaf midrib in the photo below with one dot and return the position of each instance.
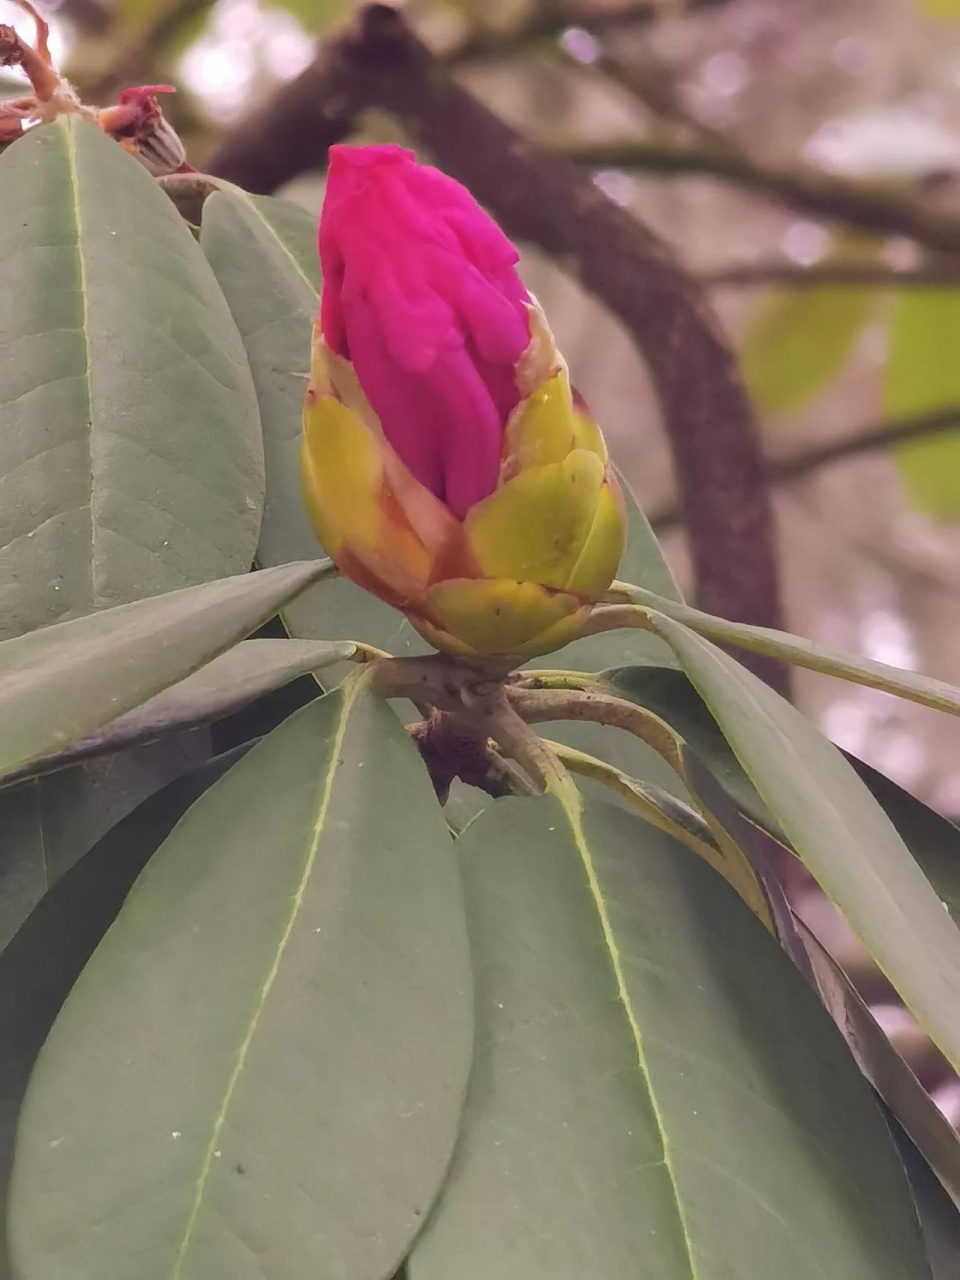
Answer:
(349, 695)
(70, 136)
(573, 809)
(248, 202)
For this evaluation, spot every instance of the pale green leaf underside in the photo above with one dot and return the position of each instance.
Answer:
(261, 1070)
(838, 829)
(228, 683)
(655, 1090)
(47, 824)
(62, 683)
(131, 459)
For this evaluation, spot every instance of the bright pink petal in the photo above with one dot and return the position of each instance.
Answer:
(421, 293)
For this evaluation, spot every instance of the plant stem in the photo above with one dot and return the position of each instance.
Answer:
(536, 706)
(658, 807)
(539, 706)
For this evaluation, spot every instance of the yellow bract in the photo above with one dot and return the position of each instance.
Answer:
(535, 526)
(597, 564)
(341, 473)
(520, 574)
(499, 616)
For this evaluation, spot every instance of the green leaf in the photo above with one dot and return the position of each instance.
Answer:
(655, 1092)
(939, 1218)
(803, 652)
(922, 374)
(261, 1069)
(762, 854)
(841, 833)
(908, 1101)
(225, 685)
(47, 824)
(800, 341)
(62, 683)
(131, 455)
(44, 960)
(933, 841)
(263, 252)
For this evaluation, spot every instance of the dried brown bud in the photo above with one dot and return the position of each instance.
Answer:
(138, 123)
(15, 52)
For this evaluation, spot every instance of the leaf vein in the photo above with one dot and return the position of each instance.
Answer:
(616, 961)
(71, 153)
(349, 697)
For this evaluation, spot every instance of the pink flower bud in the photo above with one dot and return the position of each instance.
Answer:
(421, 294)
(446, 464)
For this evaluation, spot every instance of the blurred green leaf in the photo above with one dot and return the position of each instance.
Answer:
(261, 1069)
(263, 252)
(800, 341)
(131, 459)
(47, 824)
(803, 652)
(941, 8)
(922, 373)
(843, 836)
(62, 683)
(222, 687)
(315, 15)
(44, 960)
(182, 34)
(655, 1092)
(174, 28)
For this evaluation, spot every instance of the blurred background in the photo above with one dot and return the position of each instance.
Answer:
(720, 123)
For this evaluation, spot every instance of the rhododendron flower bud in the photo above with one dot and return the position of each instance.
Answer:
(447, 466)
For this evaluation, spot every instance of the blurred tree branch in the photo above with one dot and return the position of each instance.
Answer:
(120, 52)
(834, 274)
(544, 199)
(884, 211)
(549, 20)
(871, 439)
(653, 85)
